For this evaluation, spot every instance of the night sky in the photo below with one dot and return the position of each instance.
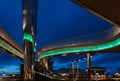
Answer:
(57, 20)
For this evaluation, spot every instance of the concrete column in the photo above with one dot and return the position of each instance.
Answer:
(89, 66)
(29, 32)
(73, 70)
(77, 68)
(28, 64)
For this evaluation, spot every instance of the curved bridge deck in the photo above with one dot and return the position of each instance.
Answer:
(107, 41)
(7, 44)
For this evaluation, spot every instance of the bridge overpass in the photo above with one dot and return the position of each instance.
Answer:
(107, 41)
(104, 42)
(105, 9)
(7, 44)
(96, 43)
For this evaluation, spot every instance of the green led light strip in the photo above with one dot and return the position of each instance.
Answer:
(34, 49)
(81, 49)
(29, 37)
(10, 49)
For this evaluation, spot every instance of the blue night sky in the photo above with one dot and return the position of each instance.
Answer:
(57, 20)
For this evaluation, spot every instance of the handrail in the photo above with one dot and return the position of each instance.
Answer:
(84, 39)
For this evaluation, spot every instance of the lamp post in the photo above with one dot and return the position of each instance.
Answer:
(77, 70)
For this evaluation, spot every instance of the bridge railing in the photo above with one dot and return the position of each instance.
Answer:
(84, 39)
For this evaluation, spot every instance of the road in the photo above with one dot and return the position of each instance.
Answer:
(9, 79)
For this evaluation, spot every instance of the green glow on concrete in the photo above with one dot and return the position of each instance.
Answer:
(34, 49)
(30, 38)
(11, 49)
(81, 49)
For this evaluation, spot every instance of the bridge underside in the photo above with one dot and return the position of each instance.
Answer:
(112, 50)
(106, 9)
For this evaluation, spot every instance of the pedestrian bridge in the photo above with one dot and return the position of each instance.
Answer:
(7, 44)
(106, 41)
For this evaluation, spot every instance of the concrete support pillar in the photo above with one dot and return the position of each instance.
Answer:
(73, 70)
(89, 66)
(77, 68)
(29, 32)
(28, 62)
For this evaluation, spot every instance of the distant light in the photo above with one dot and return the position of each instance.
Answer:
(24, 23)
(24, 11)
(4, 74)
(77, 53)
(63, 74)
(99, 76)
(74, 61)
(32, 28)
(91, 56)
(13, 75)
(94, 71)
(35, 44)
(116, 74)
(32, 33)
(84, 58)
(64, 55)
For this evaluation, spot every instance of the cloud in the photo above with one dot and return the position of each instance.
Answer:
(65, 61)
(57, 65)
(109, 58)
(11, 69)
(9, 64)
